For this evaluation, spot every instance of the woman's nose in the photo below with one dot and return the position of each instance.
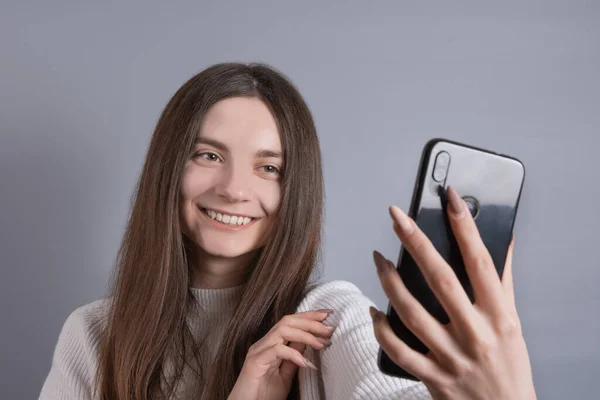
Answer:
(234, 186)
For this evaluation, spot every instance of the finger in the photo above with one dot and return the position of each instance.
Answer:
(288, 368)
(507, 277)
(317, 315)
(401, 354)
(439, 275)
(283, 334)
(279, 353)
(415, 317)
(479, 265)
(299, 321)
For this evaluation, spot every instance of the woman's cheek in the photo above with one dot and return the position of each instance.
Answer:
(271, 194)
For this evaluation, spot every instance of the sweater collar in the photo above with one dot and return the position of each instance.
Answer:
(217, 300)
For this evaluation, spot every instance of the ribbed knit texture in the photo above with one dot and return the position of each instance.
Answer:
(347, 369)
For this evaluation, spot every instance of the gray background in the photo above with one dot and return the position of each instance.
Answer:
(81, 87)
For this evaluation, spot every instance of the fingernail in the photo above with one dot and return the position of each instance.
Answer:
(456, 203)
(374, 314)
(331, 328)
(310, 365)
(402, 220)
(324, 341)
(381, 263)
(391, 264)
(325, 310)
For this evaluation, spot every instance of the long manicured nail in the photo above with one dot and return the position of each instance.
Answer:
(374, 314)
(309, 364)
(402, 219)
(383, 267)
(391, 264)
(457, 205)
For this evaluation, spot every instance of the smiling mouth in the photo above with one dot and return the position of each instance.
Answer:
(227, 219)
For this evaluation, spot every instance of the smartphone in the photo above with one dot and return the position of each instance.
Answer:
(491, 185)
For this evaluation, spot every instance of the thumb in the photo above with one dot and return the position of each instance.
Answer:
(287, 368)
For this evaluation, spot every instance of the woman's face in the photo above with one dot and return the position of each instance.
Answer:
(231, 187)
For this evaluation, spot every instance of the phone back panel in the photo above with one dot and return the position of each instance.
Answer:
(492, 183)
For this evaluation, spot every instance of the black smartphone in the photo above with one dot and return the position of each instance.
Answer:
(491, 185)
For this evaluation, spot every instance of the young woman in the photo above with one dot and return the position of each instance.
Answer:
(212, 295)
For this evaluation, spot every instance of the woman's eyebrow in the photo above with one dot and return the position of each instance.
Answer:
(268, 154)
(211, 142)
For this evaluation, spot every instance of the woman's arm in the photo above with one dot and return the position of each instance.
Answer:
(348, 368)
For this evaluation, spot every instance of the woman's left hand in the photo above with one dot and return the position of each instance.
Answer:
(481, 353)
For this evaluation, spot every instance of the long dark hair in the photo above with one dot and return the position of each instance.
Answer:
(150, 291)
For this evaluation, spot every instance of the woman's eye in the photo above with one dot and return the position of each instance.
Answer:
(271, 169)
(207, 155)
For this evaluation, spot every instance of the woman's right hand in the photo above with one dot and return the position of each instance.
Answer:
(272, 362)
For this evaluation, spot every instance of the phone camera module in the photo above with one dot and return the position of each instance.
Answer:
(440, 167)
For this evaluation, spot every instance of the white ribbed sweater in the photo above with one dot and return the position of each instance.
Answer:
(347, 369)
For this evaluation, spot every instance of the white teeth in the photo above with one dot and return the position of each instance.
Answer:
(228, 219)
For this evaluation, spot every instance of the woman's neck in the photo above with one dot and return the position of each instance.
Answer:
(216, 272)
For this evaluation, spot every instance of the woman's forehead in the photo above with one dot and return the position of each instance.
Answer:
(241, 122)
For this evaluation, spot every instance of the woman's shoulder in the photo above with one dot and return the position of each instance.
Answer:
(88, 319)
(83, 328)
(76, 353)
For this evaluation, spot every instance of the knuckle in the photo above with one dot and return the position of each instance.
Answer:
(414, 321)
(279, 347)
(485, 350)
(249, 353)
(460, 367)
(281, 330)
(508, 327)
(398, 357)
(445, 282)
(479, 262)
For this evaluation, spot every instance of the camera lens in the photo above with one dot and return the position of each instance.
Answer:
(439, 174)
(442, 159)
(472, 205)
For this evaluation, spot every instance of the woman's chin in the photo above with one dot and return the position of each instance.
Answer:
(221, 251)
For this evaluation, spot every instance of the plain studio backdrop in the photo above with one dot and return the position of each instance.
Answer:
(82, 86)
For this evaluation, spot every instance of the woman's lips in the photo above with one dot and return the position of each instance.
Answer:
(228, 226)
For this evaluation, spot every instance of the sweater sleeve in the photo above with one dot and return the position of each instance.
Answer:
(74, 362)
(348, 368)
